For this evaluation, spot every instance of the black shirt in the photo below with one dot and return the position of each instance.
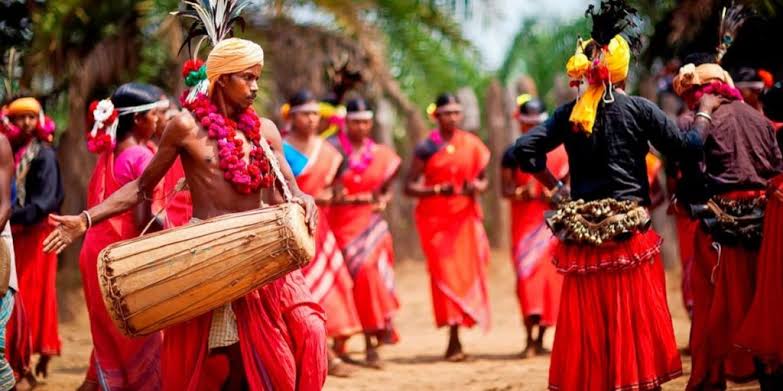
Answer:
(43, 188)
(610, 162)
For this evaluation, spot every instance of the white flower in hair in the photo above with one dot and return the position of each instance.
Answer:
(103, 111)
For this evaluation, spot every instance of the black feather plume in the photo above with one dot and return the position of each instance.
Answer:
(614, 17)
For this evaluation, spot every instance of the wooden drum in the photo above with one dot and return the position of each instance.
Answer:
(172, 276)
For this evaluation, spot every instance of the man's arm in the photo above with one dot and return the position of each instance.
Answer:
(414, 187)
(129, 195)
(530, 150)
(6, 173)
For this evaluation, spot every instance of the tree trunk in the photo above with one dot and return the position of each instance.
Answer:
(497, 121)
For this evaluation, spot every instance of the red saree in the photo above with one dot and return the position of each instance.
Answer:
(37, 273)
(119, 362)
(760, 332)
(366, 242)
(327, 275)
(538, 283)
(452, 235)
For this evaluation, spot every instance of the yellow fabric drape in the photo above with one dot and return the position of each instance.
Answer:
(230, 56)
(616, 57)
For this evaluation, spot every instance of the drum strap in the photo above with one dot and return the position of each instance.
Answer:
(270, 156)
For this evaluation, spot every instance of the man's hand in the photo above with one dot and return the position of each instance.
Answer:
(311, 211)
(560, 194)
(709, 102)
(67, 229)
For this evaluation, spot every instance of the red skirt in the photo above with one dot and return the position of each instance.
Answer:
(614, 328)
(723, 283)
(37, 273)
(686, 232)
(761, 330)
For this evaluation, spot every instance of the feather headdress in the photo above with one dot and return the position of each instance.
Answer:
(615, 17)
(213, 19)
(731, 20)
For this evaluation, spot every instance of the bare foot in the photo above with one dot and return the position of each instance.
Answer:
(338, 368)
(454, 352)
(42, 368)
(88, 385)
(456, 357)
(529, 351)
(541, 350)
(27, 382)
(373, 359)
(346, 358)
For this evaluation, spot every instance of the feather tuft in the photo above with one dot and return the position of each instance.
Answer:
(214, 19)
(731, 21)
(614, 17)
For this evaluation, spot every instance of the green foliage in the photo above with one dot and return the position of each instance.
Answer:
(426, 51)
(541, 50)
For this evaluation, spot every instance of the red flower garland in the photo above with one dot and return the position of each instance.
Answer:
(101, 141)
(246, 177)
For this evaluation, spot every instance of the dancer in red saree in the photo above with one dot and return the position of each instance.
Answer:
(120, 362)
(446, 176)
(363, 191)
(39, 192)
(315, 163)
(538, 283)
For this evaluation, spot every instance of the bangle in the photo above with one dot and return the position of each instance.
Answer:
(89, 218)
(704, 115)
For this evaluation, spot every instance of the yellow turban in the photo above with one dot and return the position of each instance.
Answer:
(692, 76)
(24, 105)
(230, 56)
(616, 58)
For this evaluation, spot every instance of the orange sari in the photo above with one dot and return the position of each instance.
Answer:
(366, 242)
(327, 276)
(538, 283)
(452, 235)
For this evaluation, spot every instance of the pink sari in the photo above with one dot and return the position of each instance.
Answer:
(121, 363)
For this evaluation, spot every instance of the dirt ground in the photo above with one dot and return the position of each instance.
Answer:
(415, 363)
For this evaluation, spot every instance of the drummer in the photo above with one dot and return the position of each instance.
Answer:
(218, 188)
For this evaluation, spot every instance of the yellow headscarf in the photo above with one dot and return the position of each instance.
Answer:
(24, 105)
(692, 76)
(616, 58)
(230, 56)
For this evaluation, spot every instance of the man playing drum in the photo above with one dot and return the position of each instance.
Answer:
(274, 337)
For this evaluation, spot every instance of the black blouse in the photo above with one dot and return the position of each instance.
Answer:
(43, 188)
(610, 162)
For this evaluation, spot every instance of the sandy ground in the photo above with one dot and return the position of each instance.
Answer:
(415, 363)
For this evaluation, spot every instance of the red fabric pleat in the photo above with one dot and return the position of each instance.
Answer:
(18, 346)
(37, 273)
(763, 325)
(610, 256)
(614, 331)
(722, 292)
(686, 235)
